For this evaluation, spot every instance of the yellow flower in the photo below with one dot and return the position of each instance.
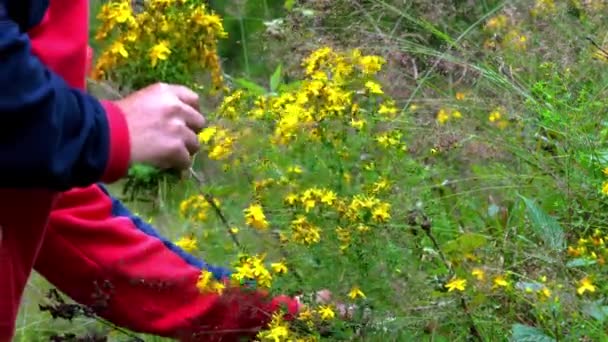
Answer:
(388, 108)
(456, 114)
(278, 330)
(545, 293)
(159, 51)
(194, 208)
(478, 273)
(252, 268)
(275, 334)
(187, 243)
(356, 292)
(496, 23)
(460, 96)
(304, 232)
(291, 199)
(326, 312)
(374, 88)
(118, 49)
(605, 188)
(206, 134)
(306, 315)
(585, 285)
(494, 116)
(255, 217)
(371, 64)
(500, 281)
(358, 124)
(295, 170)
(442, 116)
(456, 284)
(381, 212)
(328, 197)
(206, 283)
(279, 267)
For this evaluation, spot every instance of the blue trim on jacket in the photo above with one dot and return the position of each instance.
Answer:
(119, 210)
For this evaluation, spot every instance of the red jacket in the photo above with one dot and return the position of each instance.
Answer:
(56, 142)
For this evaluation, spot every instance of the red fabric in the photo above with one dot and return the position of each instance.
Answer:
(120, 149)
(149, 288)
(23, 217)
(60, 41)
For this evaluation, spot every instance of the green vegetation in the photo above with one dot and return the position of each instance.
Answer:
(458, 179)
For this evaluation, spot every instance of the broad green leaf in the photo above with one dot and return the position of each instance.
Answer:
(525, 333)
(580, 262)
(545, 226)
(596, 310)
(275, 80)
(466, 243)
(251, 86)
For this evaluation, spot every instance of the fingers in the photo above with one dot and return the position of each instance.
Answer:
(323, 296)
(192, 118)
(182, 159)
(191, 141)
(186, 95)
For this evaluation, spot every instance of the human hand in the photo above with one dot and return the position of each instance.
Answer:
(163, 121)
(324, 297)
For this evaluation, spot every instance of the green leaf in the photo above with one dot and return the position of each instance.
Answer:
(466, 243)
(251, 86)
(596, 310)
(545, 226)
(525, 333)
(143, 172)
(289, 4)
(275, 80)
(580, 262)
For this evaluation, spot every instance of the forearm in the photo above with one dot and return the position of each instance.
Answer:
(52, 135)
(137, 279)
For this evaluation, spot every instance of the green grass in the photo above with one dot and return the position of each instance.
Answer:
(467, 194)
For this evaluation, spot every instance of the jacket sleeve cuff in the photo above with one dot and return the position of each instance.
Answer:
(120, 144)
(89, 60)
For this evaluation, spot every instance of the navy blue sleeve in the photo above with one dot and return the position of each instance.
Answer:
(51, 135)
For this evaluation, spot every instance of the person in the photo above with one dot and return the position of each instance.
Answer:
(58, 144)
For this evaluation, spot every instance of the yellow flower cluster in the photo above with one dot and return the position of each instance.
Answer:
(445, 114)
(310, 198)
(252, 269)
(363, 208)
(278, 330)
(511, 38)
(591, 248)
(304, 232)
(339, 111)
(255, 217)
(165, 41)
(187, 243)
(543, 7)
(497, 23)
(207, 284)
(195, 208)
(336, 90)
(496, 117)
(218, 141)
